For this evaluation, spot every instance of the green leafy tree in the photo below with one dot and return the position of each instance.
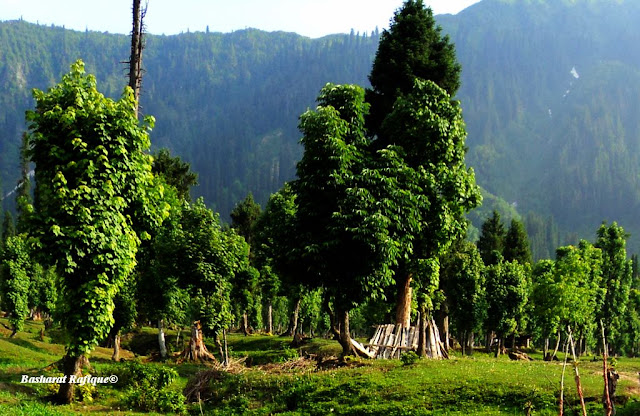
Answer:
(95, 200)
(507, 294)
(16, 268)
(516, 244)
(429, 135)
(345, 242)
(275, 242)
(192, 254)
(491, 241)
(567, 293)
(43, 292)
(462, 279)
(413, 47)
(617, 275)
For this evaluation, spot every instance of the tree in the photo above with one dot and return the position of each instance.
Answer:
(462, 279)
(345, 245)
(95, 199)
(507, 294)
(566, 293)
(137, 46)
(491, 241)
(175, 173)
(617, 277)
(192, 255)
(411, 54)
(516, 244)
(8, 227)
(15, 269)
(276, 241)
(413, 47)
(429, 134)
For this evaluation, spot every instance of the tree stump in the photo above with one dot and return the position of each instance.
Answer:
(196, 350)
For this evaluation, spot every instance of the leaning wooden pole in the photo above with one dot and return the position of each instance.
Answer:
(607, 398)
(564, 367)
(577, 373)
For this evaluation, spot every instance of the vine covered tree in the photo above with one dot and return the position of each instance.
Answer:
(95, 199)
(15, 271)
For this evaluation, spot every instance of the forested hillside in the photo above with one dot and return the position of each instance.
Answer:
(549, 94)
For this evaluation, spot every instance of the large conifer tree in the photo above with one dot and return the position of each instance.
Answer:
(413, 47)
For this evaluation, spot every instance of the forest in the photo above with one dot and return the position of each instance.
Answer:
(109, 261)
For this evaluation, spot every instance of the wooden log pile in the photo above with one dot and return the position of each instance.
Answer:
(390, 341)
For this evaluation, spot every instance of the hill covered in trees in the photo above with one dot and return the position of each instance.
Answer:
(549, 94)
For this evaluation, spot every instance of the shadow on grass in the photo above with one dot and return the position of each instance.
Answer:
(26, 344)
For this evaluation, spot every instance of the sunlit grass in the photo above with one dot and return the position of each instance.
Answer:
(477, 385)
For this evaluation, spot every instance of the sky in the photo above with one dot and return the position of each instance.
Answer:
(313, 18)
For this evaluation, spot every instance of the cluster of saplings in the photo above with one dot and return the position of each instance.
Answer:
(374, 222)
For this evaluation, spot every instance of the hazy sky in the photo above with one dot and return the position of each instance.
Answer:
(312, 18)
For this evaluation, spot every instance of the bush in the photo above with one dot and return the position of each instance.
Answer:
(147, 387)
(409, 357)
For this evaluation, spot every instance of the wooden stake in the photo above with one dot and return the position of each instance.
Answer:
(607, 399)
(577, 376)
(564, 367)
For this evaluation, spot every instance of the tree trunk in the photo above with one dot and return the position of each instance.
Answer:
(196, 350)
(161, 341)
(137, 44)
(403, 305)
(555, 350)
(488, 341)
(499, 347)
(422, 335)
(545, 349)
(293, 321)
(443, 325)
(470, 341)
(245, 323)
(345, 335)
(116, 347)
(269, 317)
(71, 366)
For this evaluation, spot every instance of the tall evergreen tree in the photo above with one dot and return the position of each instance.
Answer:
(175, 173)
(491, 241)
(413, 47)
(244, 217)
(516, 243)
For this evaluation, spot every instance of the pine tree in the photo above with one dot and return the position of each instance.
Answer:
(491, 241)
(413, 47)
(516, 244)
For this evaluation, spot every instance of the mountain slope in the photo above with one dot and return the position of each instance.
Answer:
(550, 94)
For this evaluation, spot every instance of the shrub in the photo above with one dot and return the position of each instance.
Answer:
(409, 357)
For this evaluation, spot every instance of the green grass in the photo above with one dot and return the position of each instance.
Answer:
(478, 385)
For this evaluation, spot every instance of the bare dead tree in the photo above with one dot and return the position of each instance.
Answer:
(137, 46)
